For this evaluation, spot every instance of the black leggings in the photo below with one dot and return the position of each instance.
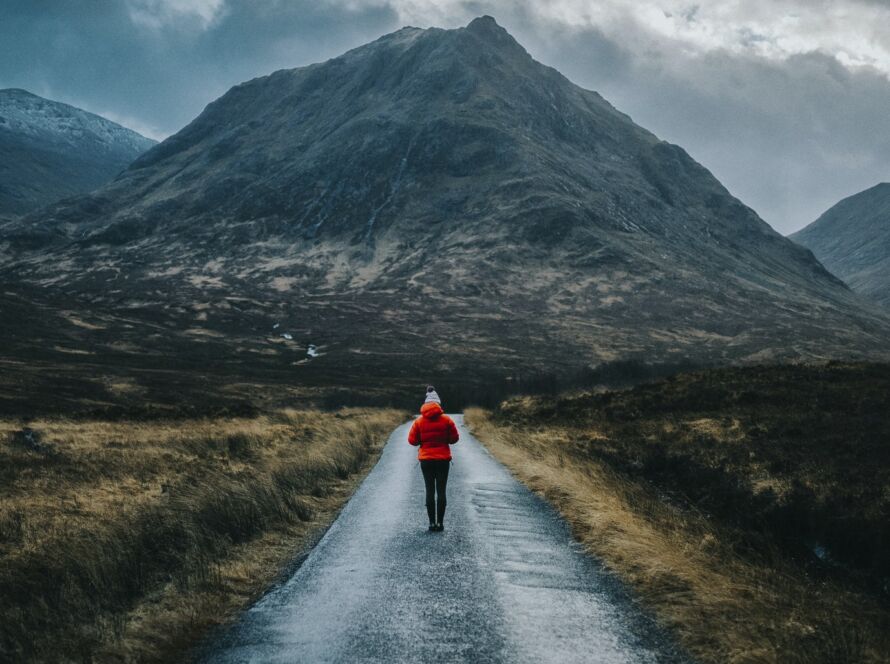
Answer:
(435, 478)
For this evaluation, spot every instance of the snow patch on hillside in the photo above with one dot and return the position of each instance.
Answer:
(26, 114)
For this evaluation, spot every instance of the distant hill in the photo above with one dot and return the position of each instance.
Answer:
(434, 202)
(852, 239)
(50, 150)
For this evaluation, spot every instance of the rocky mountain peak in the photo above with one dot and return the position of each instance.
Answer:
(488, 28)
(490, 34)
(445, 170)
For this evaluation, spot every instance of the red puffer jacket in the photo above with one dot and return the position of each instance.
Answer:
(434, 431)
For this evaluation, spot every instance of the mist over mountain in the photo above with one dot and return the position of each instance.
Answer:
(434, 198)
(50, 150)
(852, 239)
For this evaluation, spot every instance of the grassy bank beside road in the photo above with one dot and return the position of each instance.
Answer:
(748, 507)
(125, 540)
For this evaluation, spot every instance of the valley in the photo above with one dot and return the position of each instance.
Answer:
(431, 202)
(209, 347)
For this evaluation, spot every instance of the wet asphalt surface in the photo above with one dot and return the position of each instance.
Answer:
(504, 583)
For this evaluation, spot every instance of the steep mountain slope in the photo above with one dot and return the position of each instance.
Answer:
(433, 201)
(50, 150)
(852, 239)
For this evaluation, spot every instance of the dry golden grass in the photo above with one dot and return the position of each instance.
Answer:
(123, 541)
(723, 607)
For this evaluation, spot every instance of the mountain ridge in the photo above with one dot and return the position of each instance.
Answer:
(50, 150)
(437, 197)
(852, 240)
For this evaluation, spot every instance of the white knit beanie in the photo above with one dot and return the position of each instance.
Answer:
(432, 396)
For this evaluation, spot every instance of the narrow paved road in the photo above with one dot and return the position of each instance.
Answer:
(504, 583)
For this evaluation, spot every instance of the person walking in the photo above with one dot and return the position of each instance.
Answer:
(434, 433)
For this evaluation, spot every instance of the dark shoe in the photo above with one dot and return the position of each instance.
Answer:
(439, 528)
(434, 528)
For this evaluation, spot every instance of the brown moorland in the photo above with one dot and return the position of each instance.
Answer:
(125, 540)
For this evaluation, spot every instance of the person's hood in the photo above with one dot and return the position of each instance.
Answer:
(431, 410)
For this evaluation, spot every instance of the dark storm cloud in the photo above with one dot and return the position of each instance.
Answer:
(107, 57)
(788, 129)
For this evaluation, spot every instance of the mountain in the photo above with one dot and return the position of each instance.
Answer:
(433, 202)
(50, 150)
(852, 239)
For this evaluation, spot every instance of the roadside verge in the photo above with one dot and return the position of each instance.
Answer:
(723, 604)
(126, 541)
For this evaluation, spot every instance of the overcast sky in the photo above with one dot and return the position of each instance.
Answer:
(787, 102)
